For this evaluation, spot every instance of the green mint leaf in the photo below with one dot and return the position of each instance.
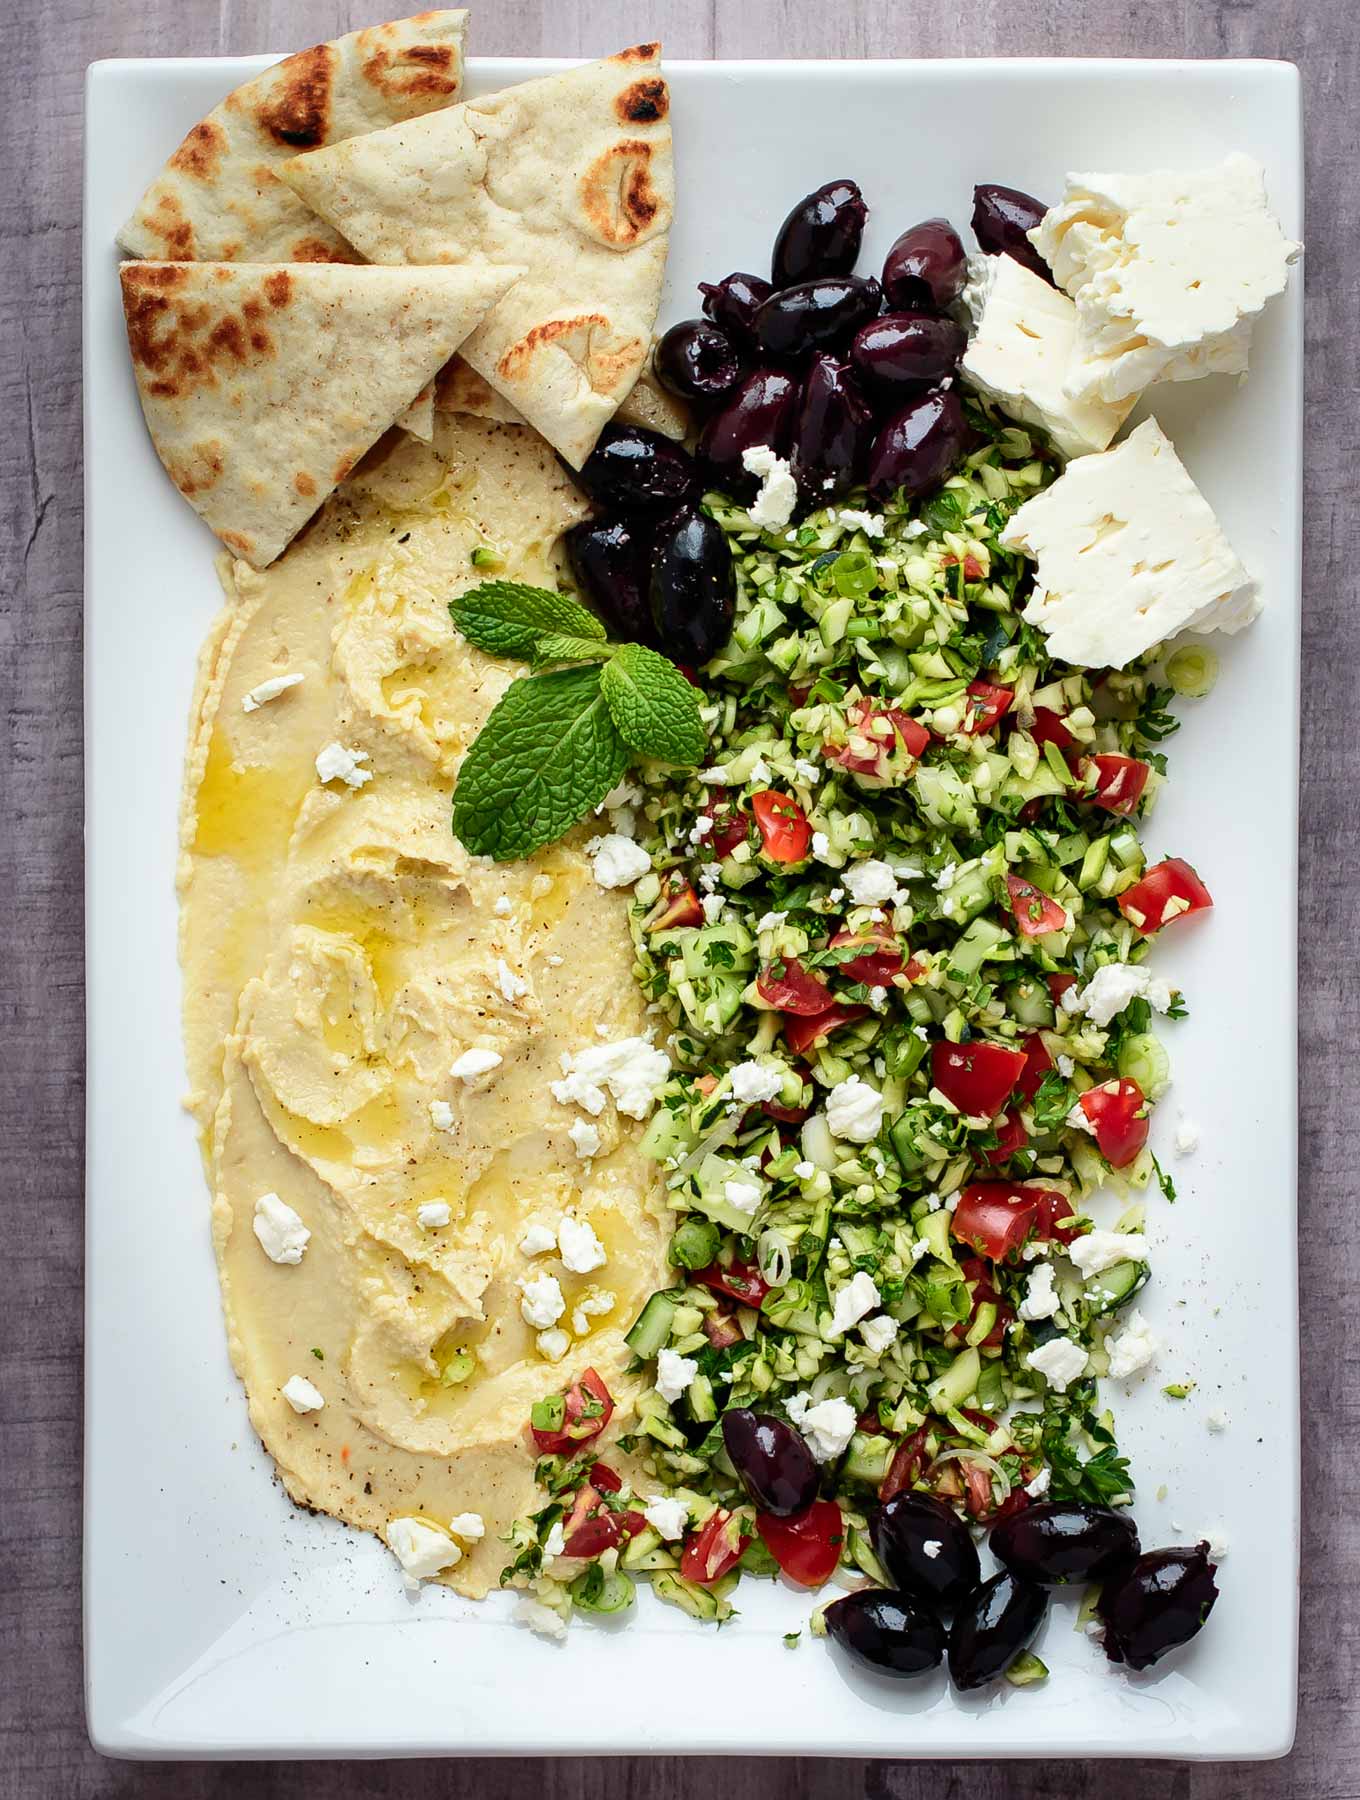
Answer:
(562, 646)
(654, 707)
(548, 753)
(507, 618)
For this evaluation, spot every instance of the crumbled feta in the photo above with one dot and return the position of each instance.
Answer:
(871, 524)
(827, 1426)
(714, 906)
(434, 1215)
(1217, 1539)
(1217, 1421)
(754, 1082)
(1077, 1120)
(854, 1110)
(617, 860)
(879, 1333)
(821, 846)
(585, 1138)
(1021, 353)
(1100, 1250)
(265, 691)
(337, 762)
(870, 883)
(1114, 985)
(513, 987)
(1065, 1067)
(469, 1526)
(539, 1618)
(773, 506)
(804, 1169)
(745, 1196)
(475, 1062)
(932, 1547)
(770, 921)
(674, 1374)
(1187, 1136)
(283, 1237)
(542, 1304)
(421, 1550)
(504, 905)
(1133, 1348)
(668, 1517)
(1037, 1488)
(1168, 269)
(553, 1344)
(1041, 1299)
(853, 1302)
(537, 1240)
(301, 1395)
(594, 1305)
(1128, 552)
(632, 1070)
(441, 1115)
(580, 1248)
(1060, 1362)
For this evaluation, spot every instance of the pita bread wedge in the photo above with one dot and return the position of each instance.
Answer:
(571, 176)
(217, 199)
(263, 384)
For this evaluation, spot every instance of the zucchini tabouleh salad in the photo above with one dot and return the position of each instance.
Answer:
(894, 932)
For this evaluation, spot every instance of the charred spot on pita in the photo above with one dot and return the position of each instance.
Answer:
(643, 103)
(298, 111)
(278, 288)
(617, 197)
(419, 69)
(639, 53)
(202, 151)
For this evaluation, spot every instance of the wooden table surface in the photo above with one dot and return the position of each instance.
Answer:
(46, 45)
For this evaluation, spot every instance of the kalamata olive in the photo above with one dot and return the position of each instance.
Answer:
(917, 448)
(992, 1626)
(1158, 1604)
(1065, 1540)
(611, 560)
(731, 303)
(692, 588)
(816, 315)
(896, 1634)
(926, 1548)
(631, 468)
(760, 410)
(774, 1464)
(925, 267)
(821, 236)
(834, 430)
(906, 351)
(697, 360)
(1001, 218)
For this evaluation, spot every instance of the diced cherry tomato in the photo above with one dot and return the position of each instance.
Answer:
(915, 969)
(1061, 984)
(785, 983)
(721, 1329)
(710, 1552)
(807, 1546)
(798, 694)
(677, 905)
(1016, 1501)
(876, 734)
(882, 954)
(1119, 1115)
(800, 1035)
(995, 1217)
(1030, 811)
(976, 1077)
(634, 1523)
(1010, 1137)
(595, 1535)
(1036, 913)
(784, 1115)
(1169, 890)
(1048, 728)
(1114, 782)
(589, 1406)
(1037, 1064)
(1052, 1207)
(739, 1280)
(979, 1278)
(729, 826)
(784, 831)
(978, 1498)
(972, 568)
(604, 1479)
(907, 1465)
(987, 704)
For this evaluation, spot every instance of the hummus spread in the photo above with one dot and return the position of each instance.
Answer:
(342, 953)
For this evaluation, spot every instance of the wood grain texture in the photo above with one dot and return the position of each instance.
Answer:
(47, 43)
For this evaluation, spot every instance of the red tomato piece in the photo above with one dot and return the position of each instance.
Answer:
(595, 1535)
(907, 1465)
(721, 1329)
(987, 705)
(1036, 913)
(807, 1546)
(784, 831)
(729, 826)
(978, 1498)
(1016, 1501)
(677, 905)
(1169, 890)
(995, 1217)
(915, 969)
(802, 1034)
(1037, 1064)
(739, 1281)
(876, 732)
(882, 956)
(1061, 984)
(1048, 728)
(785, 983)
(978, 1276)
(1010, 1137)
(603, 1478)
(977, 1077)
(972, 568)
(1052, 1207)
(1114, 782)
(710, 1552)
(588, 1408)
(1118, 1113)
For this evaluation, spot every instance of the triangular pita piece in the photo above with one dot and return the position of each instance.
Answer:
(570, 175)
(418, 418)
(217, 199)
(263, 384)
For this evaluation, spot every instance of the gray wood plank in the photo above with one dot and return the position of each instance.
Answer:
(42, 1745)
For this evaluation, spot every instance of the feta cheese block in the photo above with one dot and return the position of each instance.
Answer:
(1022, 351)
(1168, 271)
(1129, 553)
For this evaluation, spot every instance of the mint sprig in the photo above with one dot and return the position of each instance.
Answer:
(557, 742)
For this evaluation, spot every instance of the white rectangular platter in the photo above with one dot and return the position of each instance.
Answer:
(221, 1622)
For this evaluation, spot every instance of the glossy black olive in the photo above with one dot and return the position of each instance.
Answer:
(894, 1633)
(775, 1465)
(992, 1626)
(731, 303)
(816, 315)
(1002, 217)
(611, 560)
(633, 469)
(821, 236)
(692, 588)
(925, 267)
(760, 411)
(697, 361)
(926, 1548)
(917, 448)
(1065, 1540)
(1157, 1605)
(906, 351)
(833, 432)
